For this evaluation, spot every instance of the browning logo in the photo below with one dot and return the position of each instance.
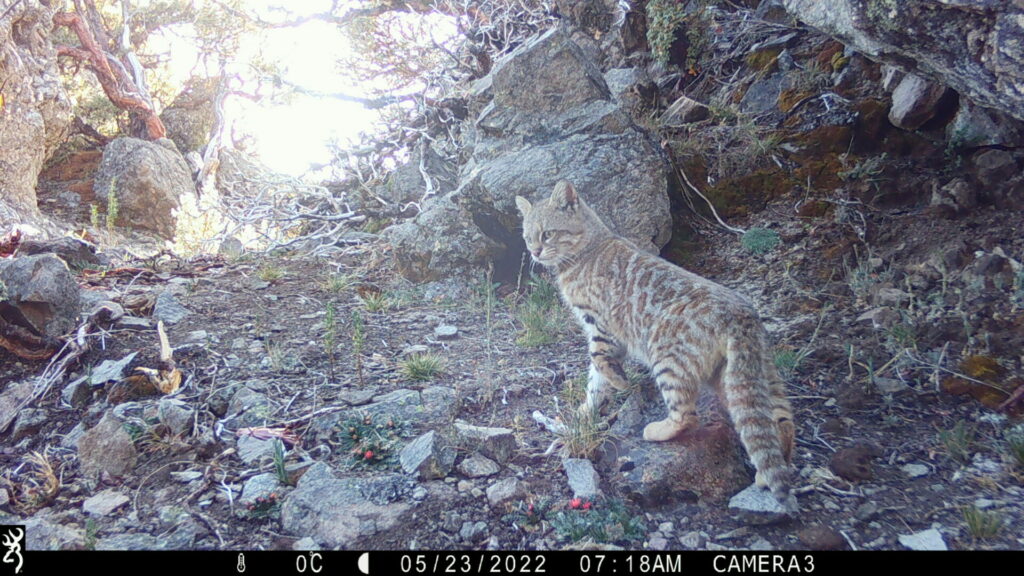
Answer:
(11, 538)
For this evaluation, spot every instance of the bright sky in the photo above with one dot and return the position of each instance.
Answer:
(291, 136)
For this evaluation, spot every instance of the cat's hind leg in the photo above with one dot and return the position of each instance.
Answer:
(679, 387)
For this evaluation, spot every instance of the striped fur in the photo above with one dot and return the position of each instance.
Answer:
(686, 329)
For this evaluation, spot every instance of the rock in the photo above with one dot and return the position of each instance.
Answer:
(149, 180)
(110, 370)
(994, 167)
(250, 408)
(854, 463)
(104, 503)
(252, 449)
(914, 102)
(915, 470)
(191, 115)
(583, 479)
(958, 196)
(756, 506)
(168, 309)
(473, 531)
(338, 513)
(36, 109)
(106, 449)
(984, 66)
(29, 422)
(44, 531)
(819, 537)
(260, 486)
(445, 332)
(709, 463)
(684, 111)
(498, 444)
(925, 540)
(977, 126)
(428, 407)
(477, 466)
(544, 114)
(760, 544)
(504, 491)
(42, 294)
(889, 297)
(304, 544)
(692, 540)
(763, 95)
(177, 415)
(129, 542)
(867, 511)
(77, 393)
(186, 476)
(428, 457)
(657, 543)
(74, 252)
(406, 184)
(12, 398)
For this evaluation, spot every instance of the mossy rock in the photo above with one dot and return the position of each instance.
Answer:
(748, 194)
(764, 61)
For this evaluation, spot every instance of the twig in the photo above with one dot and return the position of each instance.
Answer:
(714, 212)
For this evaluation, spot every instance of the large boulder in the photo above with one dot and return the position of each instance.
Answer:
(39, 294)
(148, 179)
(975, 47)
(544, 114)
(191, 116)
(35, 113)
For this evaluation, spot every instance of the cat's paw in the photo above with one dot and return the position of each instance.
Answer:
(667, 429)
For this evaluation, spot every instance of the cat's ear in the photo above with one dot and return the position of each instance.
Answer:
(564, 196)
(524, 205)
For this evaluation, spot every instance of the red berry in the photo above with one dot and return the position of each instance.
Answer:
(368, 454)
(575, 503)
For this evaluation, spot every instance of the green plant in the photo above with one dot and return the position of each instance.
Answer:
(663, 18)
(982, 524)
(787, 360)
(760, 240)
(112, 205)
(269, 272)
(338, 283)
(585, 432)
(371, 439)
(91, 529)
(279, 467)
(262, 507)
(358, 339)
(867, 170)
(1018, 289)
(94, 216)
(958, 441)
(539, 314)
(529, 515)
(900, 337)
(375, 301)
(603, 521)
(422, 367)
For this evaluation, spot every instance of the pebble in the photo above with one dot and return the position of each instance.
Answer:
(925, 540)
(915, 470)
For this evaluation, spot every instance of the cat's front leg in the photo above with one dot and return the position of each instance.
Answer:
(605, 369)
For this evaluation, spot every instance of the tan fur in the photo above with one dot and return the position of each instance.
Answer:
(686, 329)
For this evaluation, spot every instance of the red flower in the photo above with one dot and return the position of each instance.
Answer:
(368, 454)
(575, 503)
(587, 505)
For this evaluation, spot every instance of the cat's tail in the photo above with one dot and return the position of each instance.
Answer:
(755, 400)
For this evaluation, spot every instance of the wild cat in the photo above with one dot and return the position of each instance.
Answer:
(686, 329)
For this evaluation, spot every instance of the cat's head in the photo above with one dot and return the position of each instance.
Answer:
(557, 228)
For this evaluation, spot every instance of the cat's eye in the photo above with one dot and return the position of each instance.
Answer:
(547, 235)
